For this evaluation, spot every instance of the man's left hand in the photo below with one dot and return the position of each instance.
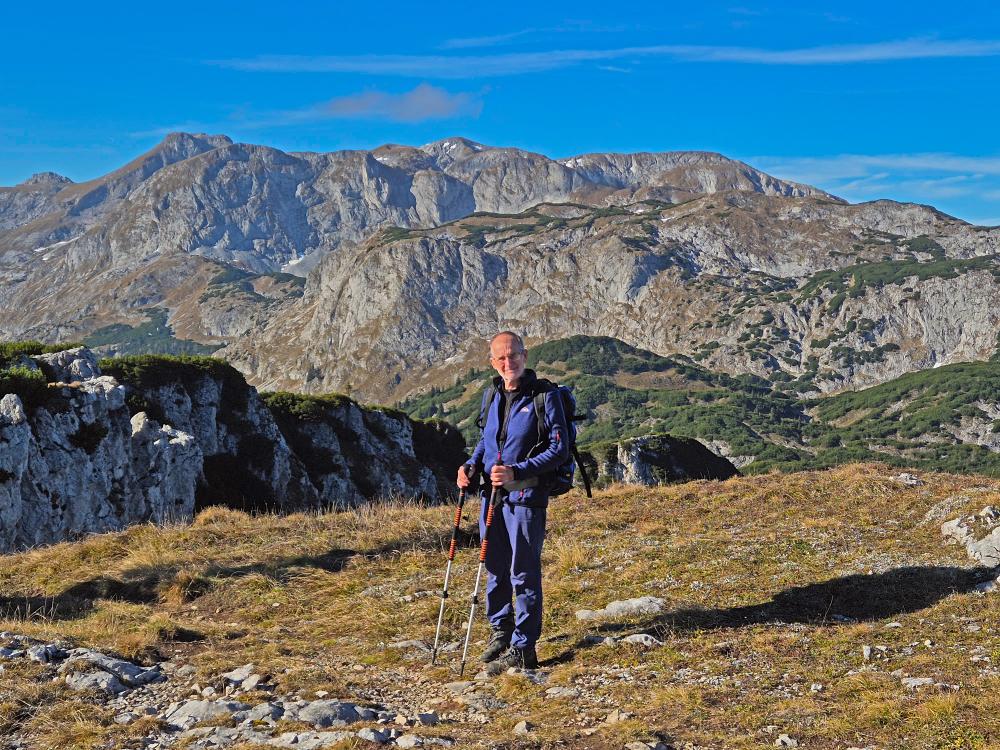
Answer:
(500, 475)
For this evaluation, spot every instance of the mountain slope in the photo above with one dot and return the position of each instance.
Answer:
(807, 289)
(942, 419)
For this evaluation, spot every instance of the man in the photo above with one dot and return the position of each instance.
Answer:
(510, 454)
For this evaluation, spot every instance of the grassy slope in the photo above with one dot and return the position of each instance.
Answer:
(755, 573)
(627, 392)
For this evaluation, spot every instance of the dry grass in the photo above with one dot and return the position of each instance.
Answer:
(758, 574)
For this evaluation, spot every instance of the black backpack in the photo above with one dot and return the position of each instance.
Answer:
(560, 481)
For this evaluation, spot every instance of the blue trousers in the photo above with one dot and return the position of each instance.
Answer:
(514, 569)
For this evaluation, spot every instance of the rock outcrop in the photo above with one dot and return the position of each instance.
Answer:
(79, 464)
(653, 460)
(979, 533)
(166, 436)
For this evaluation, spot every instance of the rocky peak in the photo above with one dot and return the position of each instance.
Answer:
(46, 180)
(450, 150)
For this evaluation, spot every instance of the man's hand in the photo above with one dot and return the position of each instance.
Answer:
(464, 480)
(500, 475)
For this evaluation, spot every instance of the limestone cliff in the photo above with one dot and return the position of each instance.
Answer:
(154, 439)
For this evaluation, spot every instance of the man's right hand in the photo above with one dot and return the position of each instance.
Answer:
(464, 480)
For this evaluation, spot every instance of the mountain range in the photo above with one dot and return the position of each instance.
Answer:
(381, 273)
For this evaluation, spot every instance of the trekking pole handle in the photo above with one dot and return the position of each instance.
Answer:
(489, 522)
(458, 523)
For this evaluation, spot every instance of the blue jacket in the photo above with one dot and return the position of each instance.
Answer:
(521, 449)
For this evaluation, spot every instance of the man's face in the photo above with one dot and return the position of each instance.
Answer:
(507, 359)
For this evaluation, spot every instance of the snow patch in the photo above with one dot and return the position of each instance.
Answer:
(54, 245)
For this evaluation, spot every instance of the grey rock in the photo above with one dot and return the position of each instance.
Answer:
(785, 741)
(70, 365)
(411, 644)
(428, 718)
(642, 639)
(69, 465)
(910, 480)
(913, 683)
(83, 464)
(46, 653)
(311, 740)
(653, 460)
(328, 713)
(130, 674)
(95, 680)
(523, 727)
(374, 735)
(643, 605)
(238, 675)
(409, 740)
(192, 712)
(978, 533)
(988, 587)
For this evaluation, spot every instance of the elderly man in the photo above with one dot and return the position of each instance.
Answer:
(510, 454)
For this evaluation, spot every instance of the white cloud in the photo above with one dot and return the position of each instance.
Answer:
(425, 102)
(476, 66)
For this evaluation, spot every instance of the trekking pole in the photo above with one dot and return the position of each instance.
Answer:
(479, 573)
(447, 571)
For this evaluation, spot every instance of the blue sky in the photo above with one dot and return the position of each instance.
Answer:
(866, 100)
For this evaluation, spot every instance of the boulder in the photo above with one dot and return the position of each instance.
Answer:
(652, 460)
(70, 365)
(979, 533)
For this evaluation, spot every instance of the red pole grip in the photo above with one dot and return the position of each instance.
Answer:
(489, 521)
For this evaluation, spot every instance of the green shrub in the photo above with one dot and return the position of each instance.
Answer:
(29, 385)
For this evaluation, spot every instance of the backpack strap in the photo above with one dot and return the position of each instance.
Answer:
(583, 471)
(488, 394)
(542, 386)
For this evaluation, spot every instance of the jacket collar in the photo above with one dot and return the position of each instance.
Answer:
(527, 384)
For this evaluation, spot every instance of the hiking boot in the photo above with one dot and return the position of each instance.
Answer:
(522, 658)
(498, 643)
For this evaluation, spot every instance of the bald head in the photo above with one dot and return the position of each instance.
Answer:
(518, 341)
(508, 357)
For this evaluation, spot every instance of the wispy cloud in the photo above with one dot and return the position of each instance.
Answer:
(487, 41)
(972, 182)
(855, 166)
(477, 66)
(494, 40)
(425, 102)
